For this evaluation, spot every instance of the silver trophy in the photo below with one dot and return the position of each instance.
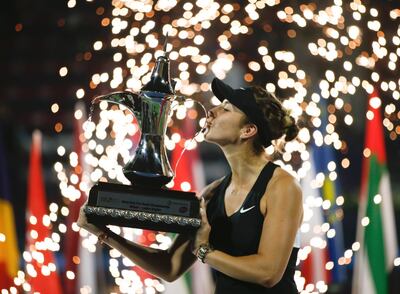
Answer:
(146, 203)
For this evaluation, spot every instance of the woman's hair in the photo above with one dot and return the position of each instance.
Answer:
(280, 123)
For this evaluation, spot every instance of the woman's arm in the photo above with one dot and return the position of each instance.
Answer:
(284, 215)
(166, 264)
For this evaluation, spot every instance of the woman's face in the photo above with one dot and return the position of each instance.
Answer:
(224, 124)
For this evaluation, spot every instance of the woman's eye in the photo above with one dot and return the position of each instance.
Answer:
(226, 109)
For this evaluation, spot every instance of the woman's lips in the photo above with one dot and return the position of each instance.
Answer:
(206, 128)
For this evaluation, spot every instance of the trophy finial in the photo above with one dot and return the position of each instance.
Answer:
(165, 44)
(160, 80)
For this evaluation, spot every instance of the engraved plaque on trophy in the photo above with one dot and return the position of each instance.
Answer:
(146, 203)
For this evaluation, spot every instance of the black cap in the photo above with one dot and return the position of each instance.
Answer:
(243, 98)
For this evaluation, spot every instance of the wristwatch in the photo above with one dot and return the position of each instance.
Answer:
(202, 252)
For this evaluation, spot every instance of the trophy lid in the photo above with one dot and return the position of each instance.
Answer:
(160, 80)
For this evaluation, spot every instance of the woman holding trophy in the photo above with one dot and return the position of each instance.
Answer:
(250, 217)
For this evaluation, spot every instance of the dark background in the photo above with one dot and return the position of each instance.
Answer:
(39, 37)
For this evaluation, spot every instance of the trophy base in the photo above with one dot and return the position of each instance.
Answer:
(143, 207)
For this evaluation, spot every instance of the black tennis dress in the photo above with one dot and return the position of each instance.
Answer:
(239, 235)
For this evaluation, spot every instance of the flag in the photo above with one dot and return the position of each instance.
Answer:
(41, 269)
(190, 177)
(9, 253)
(78, 259)
(323, 159)
(314, 252)
(376, 223)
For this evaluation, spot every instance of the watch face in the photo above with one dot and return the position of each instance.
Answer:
(201, 254)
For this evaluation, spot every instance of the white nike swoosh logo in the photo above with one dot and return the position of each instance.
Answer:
(243, 210)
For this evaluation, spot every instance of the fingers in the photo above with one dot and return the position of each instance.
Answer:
(202, 207)
(203, 233)
(202, 203)
(203, 212)
(82, 219)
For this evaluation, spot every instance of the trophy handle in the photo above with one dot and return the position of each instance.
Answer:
(181, 100)
(130, 100)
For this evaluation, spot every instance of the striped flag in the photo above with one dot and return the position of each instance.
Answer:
(78, 259)
(9, 253)
(325, 165)
(314, 252)
(376, 223)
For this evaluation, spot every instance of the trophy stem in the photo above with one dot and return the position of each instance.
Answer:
(149, 166)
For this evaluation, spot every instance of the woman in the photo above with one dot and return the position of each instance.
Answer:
(250, 217)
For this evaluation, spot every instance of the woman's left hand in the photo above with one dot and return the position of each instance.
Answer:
(203, 232)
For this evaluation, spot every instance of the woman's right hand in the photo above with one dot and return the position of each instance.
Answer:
(83, 223)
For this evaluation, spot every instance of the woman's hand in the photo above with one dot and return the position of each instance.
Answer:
(83, 223)
(203, 232)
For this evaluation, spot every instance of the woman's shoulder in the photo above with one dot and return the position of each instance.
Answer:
(283, 180)
(283, 174)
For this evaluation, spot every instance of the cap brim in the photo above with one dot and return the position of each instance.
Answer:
(221, 90)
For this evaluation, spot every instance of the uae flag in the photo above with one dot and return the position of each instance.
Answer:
(376, 223)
